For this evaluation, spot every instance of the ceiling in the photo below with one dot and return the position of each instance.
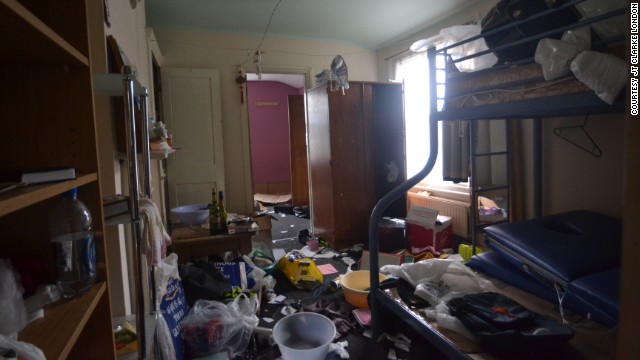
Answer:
(372, 24)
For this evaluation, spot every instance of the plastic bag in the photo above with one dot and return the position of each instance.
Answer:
(454, 34)
(126, 339)
(203, 280)
(611, 27)
(555, 56)
(213, 327)
(13, 313)
(162, 340)
(24, 350)
(605, 74)
(172, 304)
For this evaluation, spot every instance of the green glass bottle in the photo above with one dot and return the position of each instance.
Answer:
(215, 223)
(223, 212)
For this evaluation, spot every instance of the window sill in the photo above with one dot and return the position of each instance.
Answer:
(458, 192)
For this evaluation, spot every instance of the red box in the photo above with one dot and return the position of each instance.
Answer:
(419, 237)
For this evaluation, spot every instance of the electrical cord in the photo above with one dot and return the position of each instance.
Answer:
(561, 293)
(268, 25)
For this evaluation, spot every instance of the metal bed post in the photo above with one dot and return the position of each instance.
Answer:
(537, 167)
(472, 185)
(146, 156)
(386, 200)
(135, 213)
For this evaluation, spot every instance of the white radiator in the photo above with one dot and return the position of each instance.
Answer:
(459, 211)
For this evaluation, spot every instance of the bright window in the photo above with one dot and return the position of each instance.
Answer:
(413, 71)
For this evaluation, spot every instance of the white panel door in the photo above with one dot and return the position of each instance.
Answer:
(192, 112)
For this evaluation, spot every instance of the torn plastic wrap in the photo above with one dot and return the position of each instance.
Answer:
(555, 56)
(13, 313)
(213, 327)
(454, 34)
(605, 74)
(606, 28)
(437, 281)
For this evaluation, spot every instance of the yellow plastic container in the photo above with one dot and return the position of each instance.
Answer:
(466, 251)
(296, 267)
(354, 285)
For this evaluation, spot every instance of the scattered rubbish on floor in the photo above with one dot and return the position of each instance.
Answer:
(340, 348)
(288, 310)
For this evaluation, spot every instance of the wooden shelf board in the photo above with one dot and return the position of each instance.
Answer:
(23, 197)
(56, 333)
(24, 37)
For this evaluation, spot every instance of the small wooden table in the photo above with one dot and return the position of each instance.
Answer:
(190, 242)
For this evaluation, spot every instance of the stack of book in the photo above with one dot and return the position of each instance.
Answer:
(14, 180)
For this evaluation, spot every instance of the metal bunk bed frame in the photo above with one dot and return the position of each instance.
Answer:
(561, 105)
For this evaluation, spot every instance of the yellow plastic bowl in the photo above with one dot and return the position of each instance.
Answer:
(354, 285)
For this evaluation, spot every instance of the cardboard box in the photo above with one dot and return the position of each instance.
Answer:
(263, 221)
(440, 237)
(383, 259)
(233, 228)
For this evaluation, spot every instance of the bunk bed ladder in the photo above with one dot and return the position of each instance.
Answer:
(477, 188)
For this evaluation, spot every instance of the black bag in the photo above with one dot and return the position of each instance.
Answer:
(507, 11)
(502, 323)
(203, 280)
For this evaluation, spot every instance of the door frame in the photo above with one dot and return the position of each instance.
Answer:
(244, 117)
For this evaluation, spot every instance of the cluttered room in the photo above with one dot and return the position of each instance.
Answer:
(464, 193)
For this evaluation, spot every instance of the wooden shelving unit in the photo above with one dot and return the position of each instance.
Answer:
(17, 19)
(23, 197)
(60, 328)
(47, 115)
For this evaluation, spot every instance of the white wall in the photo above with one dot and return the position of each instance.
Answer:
(128, 27)
(572, 178)
(226, 52)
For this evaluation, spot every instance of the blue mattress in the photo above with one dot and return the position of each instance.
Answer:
(600, 292)
(594, 295)
(559, 248)
(494, 265)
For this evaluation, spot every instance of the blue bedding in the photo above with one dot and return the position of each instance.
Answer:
(596, 295)
(561, 247)
(577, 251)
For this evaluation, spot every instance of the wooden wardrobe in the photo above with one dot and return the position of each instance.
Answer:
(356, 156)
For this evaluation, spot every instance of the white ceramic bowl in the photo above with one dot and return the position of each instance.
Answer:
(195, 214)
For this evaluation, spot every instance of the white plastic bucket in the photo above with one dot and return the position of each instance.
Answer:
(304, 335)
